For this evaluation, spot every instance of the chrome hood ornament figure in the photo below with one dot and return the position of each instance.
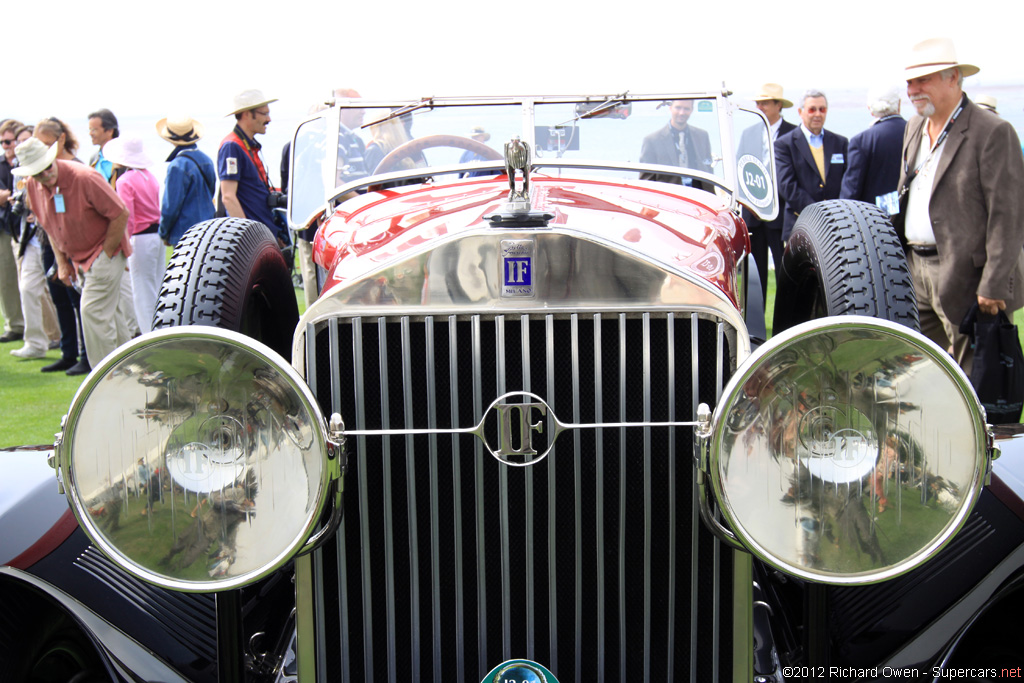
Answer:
(517, 158)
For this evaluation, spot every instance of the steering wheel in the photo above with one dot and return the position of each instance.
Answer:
(416, 146)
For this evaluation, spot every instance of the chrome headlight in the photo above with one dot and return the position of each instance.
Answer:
(196, 459)
(848, 450)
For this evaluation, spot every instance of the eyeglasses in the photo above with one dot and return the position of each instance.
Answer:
(37, 175)
(8, 143)
(815, 110)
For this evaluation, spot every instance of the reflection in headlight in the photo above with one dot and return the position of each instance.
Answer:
(196, 458)
(848, 452)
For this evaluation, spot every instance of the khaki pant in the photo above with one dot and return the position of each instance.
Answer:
(107, 308)
(10, 299)
(934, 323)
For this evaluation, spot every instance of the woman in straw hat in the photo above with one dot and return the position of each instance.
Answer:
(190, 181)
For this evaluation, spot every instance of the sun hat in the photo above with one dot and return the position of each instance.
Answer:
(772, 91)
(179, 130)
(127, 152)
(478, 131)
(986, 101)
(934, 55)
(33, 157)
(249, 99)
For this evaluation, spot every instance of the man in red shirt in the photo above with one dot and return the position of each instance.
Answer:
(85, 220)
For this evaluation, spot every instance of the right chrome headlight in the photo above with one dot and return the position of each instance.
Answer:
(848, 450)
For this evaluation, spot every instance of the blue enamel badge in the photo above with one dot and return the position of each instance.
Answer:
(517, 263)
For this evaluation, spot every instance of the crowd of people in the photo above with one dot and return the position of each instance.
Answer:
(88, 241)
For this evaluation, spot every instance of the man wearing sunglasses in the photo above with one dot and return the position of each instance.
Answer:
(85, 221)
(810, 161)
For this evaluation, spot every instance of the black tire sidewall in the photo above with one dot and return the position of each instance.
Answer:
(230, 273)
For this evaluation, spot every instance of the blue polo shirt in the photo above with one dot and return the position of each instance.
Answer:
(234, 164)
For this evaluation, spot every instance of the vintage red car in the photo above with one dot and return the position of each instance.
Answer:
(531, 429)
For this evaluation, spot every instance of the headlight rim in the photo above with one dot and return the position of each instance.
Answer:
(731, 394)
(65, 445)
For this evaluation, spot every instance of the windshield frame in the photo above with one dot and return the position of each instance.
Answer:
(726, 184)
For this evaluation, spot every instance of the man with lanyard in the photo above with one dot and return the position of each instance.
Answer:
(85, 221)
(961, 210)
(244, 182)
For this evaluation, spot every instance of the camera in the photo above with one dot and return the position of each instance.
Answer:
(277, 200)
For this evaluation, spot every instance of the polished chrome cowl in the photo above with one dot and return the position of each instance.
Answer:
(196, 459)
(847, 450)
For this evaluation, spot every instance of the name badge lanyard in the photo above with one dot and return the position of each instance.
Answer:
(938, 143)
(58, 201)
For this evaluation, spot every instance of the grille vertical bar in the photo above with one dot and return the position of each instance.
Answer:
(603, 522)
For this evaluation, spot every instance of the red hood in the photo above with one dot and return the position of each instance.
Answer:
(684, 229)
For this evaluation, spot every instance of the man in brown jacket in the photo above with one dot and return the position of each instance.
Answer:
(961, 209)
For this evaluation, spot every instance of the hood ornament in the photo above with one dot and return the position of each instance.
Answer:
(517, 211)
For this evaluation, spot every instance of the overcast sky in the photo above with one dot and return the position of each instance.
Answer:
(191, 57)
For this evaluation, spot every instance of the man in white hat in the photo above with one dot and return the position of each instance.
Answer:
(873, 169)
(190, 182)
(765, 236)
(244, 181)
(962, 211)
(85, 221)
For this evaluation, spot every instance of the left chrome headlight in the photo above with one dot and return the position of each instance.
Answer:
(847, 450)
(196, 459)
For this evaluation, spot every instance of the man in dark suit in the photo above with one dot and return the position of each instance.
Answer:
(962, 213)
(873, 166)
(765, 236)
(677, 144)
(810, 161)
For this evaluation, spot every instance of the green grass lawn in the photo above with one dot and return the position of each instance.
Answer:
(34, 402)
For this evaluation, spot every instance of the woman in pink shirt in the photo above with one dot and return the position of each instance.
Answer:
(139, 190)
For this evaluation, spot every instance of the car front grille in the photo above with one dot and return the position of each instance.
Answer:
(592, 561)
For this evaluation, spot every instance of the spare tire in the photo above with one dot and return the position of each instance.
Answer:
(844, 258)
(230, 273)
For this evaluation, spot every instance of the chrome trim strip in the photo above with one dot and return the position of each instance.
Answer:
(503, 502)
(435, 542)
(481, 546)
(716, 619)
(622, 498)
(389, 517)
(460, 601)
(694, 510)
(524, 321)
(410, 477)
(577, 490)
(670, 331)
(364, 504)
(334, 347)
(599, 495)
(647, 493)
(549, 330)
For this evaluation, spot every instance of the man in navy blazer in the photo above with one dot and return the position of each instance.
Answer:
(810, 161)
(873, 167)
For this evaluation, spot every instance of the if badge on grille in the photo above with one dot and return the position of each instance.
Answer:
(518, 258)
(519, 671)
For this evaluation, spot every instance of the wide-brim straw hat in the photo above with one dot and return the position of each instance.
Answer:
(179, 130)
(127, 152)
(934, 55)
(772, 91)
(33, 157)
(986, 101)
(479, 131)
(249, 99)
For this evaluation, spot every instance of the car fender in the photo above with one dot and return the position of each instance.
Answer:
(34, 516)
